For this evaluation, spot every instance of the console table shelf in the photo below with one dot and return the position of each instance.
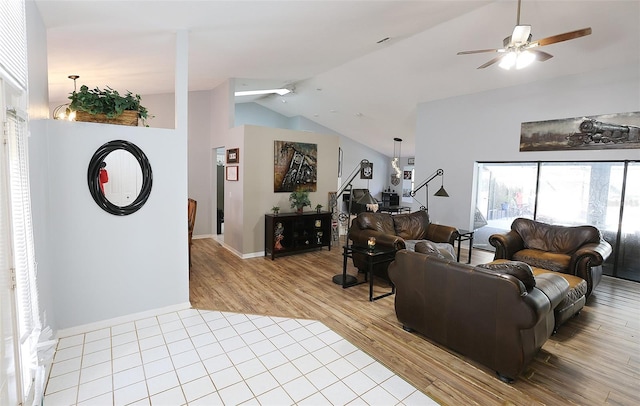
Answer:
(292, 233)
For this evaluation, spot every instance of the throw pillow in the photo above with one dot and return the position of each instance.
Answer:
(518, 269)
(427, 247)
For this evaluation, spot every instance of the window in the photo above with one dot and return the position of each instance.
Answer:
(19, 314)
(567, 193)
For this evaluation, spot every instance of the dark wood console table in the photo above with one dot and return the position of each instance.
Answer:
(292, 233)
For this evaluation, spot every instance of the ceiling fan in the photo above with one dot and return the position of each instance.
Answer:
(520, 51)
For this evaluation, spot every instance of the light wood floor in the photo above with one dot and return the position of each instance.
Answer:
(594, 358)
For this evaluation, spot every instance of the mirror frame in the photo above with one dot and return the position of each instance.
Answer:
(93, 175)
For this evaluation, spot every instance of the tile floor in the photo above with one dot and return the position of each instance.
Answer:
(196, 357)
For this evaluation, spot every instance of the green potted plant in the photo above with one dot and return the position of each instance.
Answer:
(299, 199)
(275, 210)
(318, 208)
(107, 106)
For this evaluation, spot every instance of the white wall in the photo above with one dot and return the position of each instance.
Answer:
(103, 266)
(38, 109)
(255, 114)
(353, 152)
(454, 133)
(247, 200)
(37, 63)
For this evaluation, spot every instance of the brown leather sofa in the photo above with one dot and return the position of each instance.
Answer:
(578, 251)
(497, 317)
(393, 231)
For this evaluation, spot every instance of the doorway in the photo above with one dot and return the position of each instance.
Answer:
(219, 194)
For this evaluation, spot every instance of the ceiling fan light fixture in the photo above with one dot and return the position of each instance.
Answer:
(508, 61)
(517, 59)
(525, 59)
(280, 92)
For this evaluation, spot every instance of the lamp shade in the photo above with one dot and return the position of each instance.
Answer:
(367, 198)
(441, 192)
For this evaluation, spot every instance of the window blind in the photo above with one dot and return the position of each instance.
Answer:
(13, 40)
(23, 249)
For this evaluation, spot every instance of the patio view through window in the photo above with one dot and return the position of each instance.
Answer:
(565, 193)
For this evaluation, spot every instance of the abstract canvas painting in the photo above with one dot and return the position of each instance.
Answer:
(295, 166)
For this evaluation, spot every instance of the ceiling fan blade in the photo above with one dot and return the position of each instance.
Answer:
(562, 37)
(491, 62)
(541, 55)
(479, 51)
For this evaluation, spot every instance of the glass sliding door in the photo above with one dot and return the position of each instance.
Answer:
(627, 258)
(581, 193)
(602, 194)
(505, 191)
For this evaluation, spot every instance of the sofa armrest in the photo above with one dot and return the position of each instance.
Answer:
(361, 237)
(539, 305)
(441, 233)
(506, 244)
(597, 253)
(555, 287)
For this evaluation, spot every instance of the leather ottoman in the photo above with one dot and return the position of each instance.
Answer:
(572, 303)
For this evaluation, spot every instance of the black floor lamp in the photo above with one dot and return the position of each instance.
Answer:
(364, 199)
(441, 192)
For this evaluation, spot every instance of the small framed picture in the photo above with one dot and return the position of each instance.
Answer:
(233, 156)
(366, 170)
(232, 173)
(407, 175)
(411, 161)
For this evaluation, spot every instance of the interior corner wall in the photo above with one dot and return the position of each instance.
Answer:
(103, 266)
(255, 114)
(221, 118)
(352, 152)
(38, 111)
(247, 200)
(454, 133)
(37, 63)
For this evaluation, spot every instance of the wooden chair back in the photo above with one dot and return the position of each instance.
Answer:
(191, 217)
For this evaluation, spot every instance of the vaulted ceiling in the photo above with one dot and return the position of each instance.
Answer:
(358, 67)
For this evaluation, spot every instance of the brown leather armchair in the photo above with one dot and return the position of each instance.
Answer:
(393, 231)
(578, 251)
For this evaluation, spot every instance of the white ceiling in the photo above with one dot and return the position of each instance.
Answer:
(344, 79)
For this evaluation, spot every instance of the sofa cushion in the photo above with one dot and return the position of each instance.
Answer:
(376, 221)
(544, 259)
(411, 226)
(520, 270)
(577, 285)
(554, 238)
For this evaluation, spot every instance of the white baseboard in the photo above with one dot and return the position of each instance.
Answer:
(201, 236)
(253, 255)
(120, 320)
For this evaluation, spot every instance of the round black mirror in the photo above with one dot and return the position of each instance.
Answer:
(96, 177)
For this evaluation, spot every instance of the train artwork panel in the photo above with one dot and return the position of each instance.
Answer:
(607, 131)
